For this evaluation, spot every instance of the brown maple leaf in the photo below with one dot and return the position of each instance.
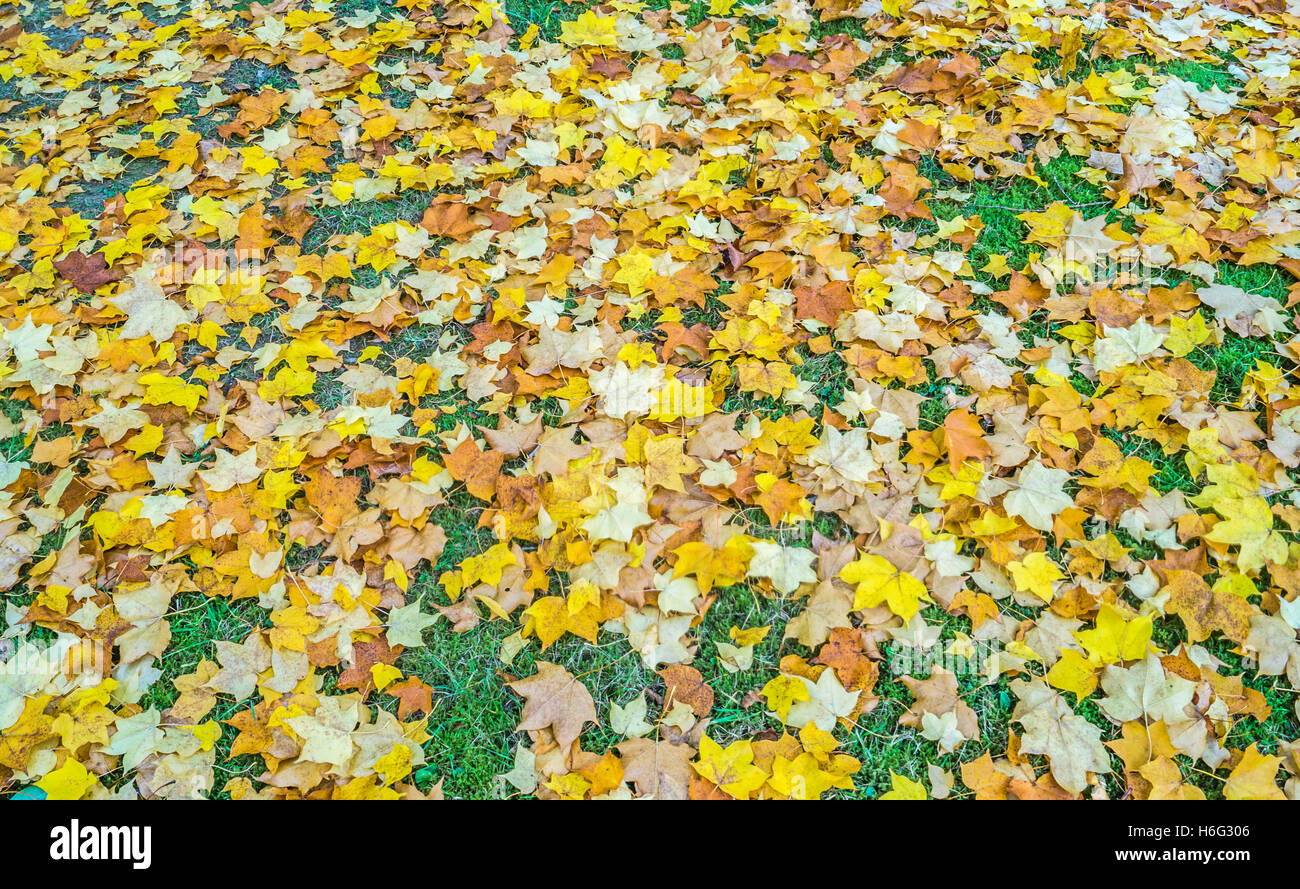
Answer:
(964, 438)
(686, 684)
(477, 468)
(555, 700)
(87, 271)
(414, 695)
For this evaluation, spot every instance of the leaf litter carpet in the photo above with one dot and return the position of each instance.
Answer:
(725, 399)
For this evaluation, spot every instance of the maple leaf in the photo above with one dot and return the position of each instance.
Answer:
(589, 29)
(1204, 610)
(1035, 573)
(1248, 524)
(827, 701)
(878, 581)
(326, 735)
(148, 311)
(937, 696)
(1073, 672)
(477, 468)
(136, 738)
(1116, 638)
(964, 439)
(524, 774)
(844, 654)
(240, 666)
(87, 272)
(981, 776)
(904, 788)
(787, 567)
(1144, 690)
(555, 700)
(828, 608)
(942, 730)
(1086, 239)
(1272, 641)
(115, 422)
(29, 727)
(415, 696)
(1118, 347)
(666, 464)
(1071, 744)
(660, 639)
(658, 769)
(364, 656)
(1167, 781)
(230, 470)
(1254, 777)
(69, 781)
(513, 439)
(731, 768)
(625, 512)
(685, 684)
(783, 692)
(709, 566)
(1040, 496)
(406, 625)
(630, 720)
(550, 617)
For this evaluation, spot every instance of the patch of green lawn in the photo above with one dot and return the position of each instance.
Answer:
(547, 15)
(196, 622)
(743, 607)
(474, 714)
(1203, 74)
(1231, 360)
(360, 217)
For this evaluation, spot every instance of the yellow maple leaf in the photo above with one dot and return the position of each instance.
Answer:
(904, 788)
(384, 675)
(878, 581)
(162, 389)
(589, 29)
(68, 781)
(1036, 574)
(1115, 639)
(731, 768)
(714, 567)
(782, 692)
(394, 765)
(1073, 672)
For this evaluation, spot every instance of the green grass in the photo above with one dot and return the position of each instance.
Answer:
(360, 217)
(1231, 360)
(474, 714)
(998, 203)
(1203, 74)
(547, 15)
(196, 622)
(741, 606)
